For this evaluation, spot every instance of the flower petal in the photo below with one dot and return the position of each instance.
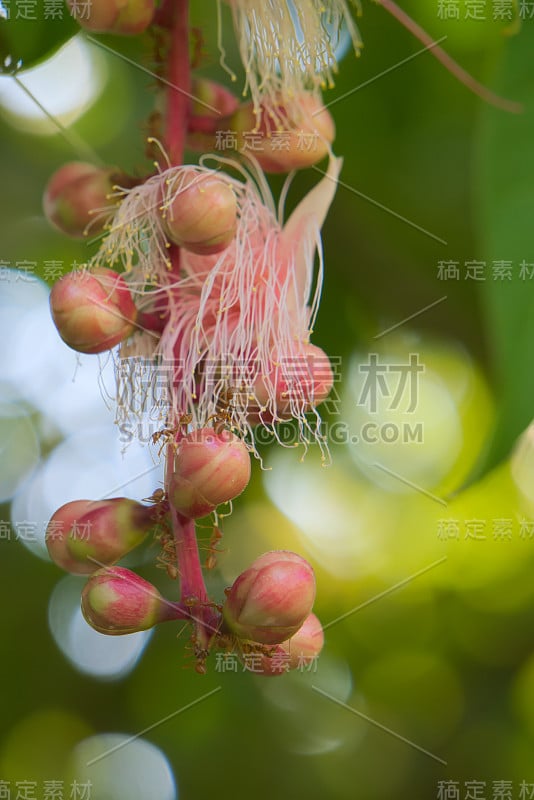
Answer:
(301, 233)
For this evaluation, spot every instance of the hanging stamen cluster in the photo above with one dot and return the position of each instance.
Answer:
(288, 47)
(236, 323)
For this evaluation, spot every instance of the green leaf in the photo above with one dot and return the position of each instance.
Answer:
(505, 210)
(26, 42)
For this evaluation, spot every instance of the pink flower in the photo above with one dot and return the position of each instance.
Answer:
(238, 322)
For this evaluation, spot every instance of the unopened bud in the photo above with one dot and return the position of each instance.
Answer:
(211, 99)
(84, 535)
(74, 195)
(284, 144)
(93, 311)
(210, 468)
(299, 652)
(210, 102)
(269, 602)
(302, 384)
(304, 647)
(202, 217)
(128, 17)
(117, 601)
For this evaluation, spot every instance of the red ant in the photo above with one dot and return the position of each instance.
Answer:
(211, 558)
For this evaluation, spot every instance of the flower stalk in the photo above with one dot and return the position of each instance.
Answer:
(193, 592)
(179, 79)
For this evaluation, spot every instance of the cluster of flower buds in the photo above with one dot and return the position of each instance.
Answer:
(212, 277)
(87, 537)
(267, 610)
(271, 604)
(196, 266)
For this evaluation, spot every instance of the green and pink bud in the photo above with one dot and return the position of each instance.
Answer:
(270, 601)
(299, 652)
(211, 99)
(283, 143)
(202, 216)
(83, 535)
(93, 311)
(127, 17)
(76, 197)
(210, 468)
(210, 103)
(116, 601)
(306, 645)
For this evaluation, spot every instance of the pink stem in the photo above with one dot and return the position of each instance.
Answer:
(449, 63)
(176, 17)
(179, 75)
(194, 599)
(173, 611)
(193, 592)
(192, 580)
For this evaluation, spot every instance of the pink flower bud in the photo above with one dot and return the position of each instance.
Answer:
(306, 644)
(209, 93)
(286, 144)
(269, 602)
(298, 652)
(83, 535)
(93, 311)
(210, 102)
(74, 195)
(297, 383)
(117, 601)
(202, 217)
(127, 17)
(58, 531)
(210, 468)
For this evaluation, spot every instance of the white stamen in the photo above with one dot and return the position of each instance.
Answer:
(231, 317)
(288, 47)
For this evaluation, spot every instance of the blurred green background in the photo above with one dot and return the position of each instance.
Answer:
(427, 686)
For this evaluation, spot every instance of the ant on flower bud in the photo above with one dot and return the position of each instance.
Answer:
(169, 434)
